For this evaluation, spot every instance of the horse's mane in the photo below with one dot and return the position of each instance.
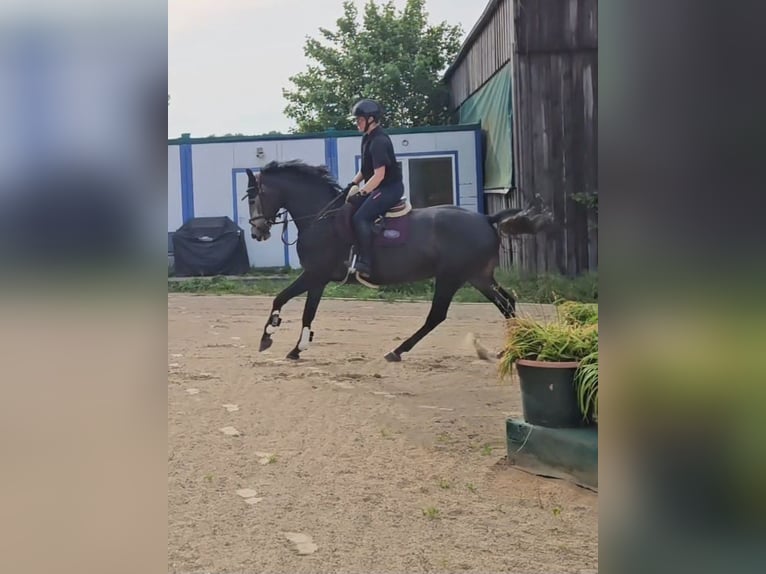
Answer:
(318, 173)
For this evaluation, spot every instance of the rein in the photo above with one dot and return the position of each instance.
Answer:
(283, 213)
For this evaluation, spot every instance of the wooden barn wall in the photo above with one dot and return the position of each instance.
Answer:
(555, 93)
(510, 247)
(489, 52)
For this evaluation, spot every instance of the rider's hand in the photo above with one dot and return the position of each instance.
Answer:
(352, 192)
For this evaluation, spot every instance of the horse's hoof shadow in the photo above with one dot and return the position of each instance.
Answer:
(393, 357)
(294, 355)
(265, 344)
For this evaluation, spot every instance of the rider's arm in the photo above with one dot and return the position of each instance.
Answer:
(375, 180)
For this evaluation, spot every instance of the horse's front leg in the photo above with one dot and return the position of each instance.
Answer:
(309, 312)
(300, 285)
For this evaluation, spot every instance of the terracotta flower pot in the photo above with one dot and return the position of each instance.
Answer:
(548, 395)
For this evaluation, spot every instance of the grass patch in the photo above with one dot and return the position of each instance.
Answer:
(540, 289)
(431, 513)
(578, 313)
(446, 439)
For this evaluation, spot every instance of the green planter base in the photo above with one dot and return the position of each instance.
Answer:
(565, 453)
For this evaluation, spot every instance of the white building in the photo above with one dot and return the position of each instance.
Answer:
(206, 176)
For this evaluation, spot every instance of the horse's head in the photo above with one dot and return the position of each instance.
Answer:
(301, 190)
(264, 204)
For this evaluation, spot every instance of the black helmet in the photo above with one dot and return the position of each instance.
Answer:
(367, 108)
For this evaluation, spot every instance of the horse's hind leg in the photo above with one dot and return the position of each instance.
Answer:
(493, 291)
(309, 312)
(509, 305)
(508, 297)
(444, 292)
(300, 285)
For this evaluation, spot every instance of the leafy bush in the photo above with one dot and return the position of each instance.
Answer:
(573, 338)
(536, 341)
(586, 385)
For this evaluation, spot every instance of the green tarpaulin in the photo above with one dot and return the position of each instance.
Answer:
(491, 106)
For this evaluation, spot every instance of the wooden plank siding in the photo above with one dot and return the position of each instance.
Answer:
(553, 47)
(510, 247)
(555, 129)
(486, 50)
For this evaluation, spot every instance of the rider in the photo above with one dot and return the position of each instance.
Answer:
(383, 186)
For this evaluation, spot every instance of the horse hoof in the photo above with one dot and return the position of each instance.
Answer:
(393, 357)
(265, 344)
(294, 355)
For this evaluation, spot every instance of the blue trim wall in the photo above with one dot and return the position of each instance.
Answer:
(187, 182)
(331, 155)
(452, 152)
(235, 206)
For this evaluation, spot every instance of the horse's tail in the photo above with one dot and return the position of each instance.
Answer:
(503, 215)
(516, 221)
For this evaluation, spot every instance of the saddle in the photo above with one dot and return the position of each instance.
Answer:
(389, 230)
(399, 210)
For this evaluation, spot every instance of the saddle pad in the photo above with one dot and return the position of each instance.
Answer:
(395, 232)
(399, 210)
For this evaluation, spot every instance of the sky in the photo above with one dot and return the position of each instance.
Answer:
(228, 60)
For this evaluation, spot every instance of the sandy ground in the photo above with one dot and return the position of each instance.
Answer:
(386, 467)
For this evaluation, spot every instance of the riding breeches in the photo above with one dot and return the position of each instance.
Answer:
(377, 203)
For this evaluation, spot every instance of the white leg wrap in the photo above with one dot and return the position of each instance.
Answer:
(269, 328)
(303, 344)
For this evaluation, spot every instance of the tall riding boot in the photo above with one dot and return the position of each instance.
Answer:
(364, 261)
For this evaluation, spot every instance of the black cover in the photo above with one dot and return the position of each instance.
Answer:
(210, 246)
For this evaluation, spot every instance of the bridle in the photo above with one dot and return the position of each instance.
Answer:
(283, 213)
(251, 199)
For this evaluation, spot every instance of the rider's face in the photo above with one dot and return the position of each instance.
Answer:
(361, 124)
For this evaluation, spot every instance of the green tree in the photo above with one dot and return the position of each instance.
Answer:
(395, 57)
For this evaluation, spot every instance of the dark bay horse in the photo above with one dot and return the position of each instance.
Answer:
(450, 244)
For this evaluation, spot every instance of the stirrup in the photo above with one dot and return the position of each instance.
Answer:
(352, 265)
(352, 268)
